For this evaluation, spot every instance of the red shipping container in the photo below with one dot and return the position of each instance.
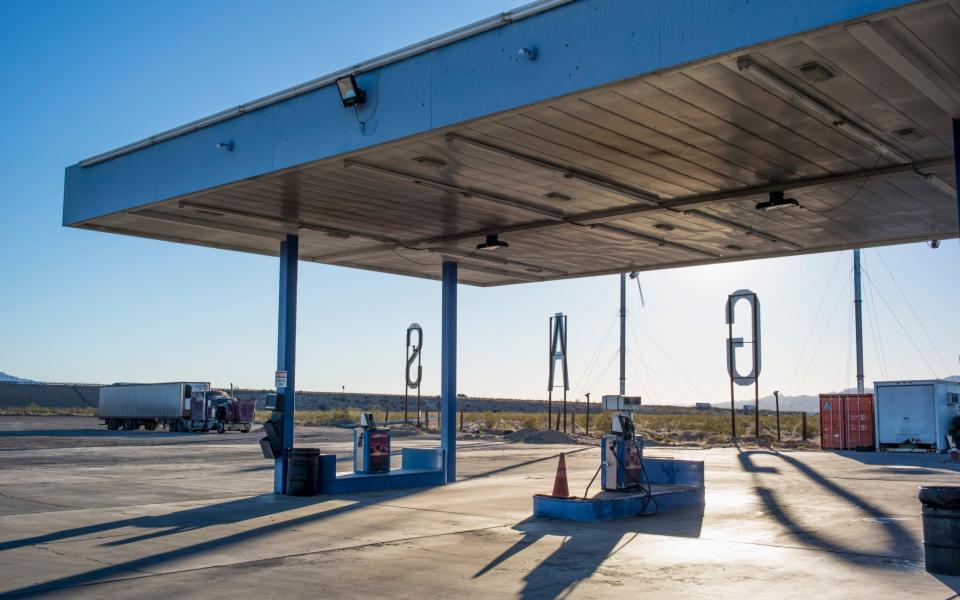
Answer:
(846, 422)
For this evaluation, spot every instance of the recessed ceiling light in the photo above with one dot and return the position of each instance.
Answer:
(909, 134)
(429, 160)
(558, 196)
(664, 227)
(734, 247)
(817, 72)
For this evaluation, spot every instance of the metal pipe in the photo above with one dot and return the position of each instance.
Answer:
(615, 187)
(858, 318)
(383, 60)
(776, 396)
(623, 334)
(550, 371)
(587, 428)
(448, 369)
(649, 238)
(542, 211)
(733, 406)
(756, 369)
(566, 381)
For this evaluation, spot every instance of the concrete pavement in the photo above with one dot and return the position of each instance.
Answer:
(154, 515)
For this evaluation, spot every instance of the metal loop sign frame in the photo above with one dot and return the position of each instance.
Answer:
(738, 342)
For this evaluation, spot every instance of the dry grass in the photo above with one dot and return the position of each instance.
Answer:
(705, 428)
(697, 429)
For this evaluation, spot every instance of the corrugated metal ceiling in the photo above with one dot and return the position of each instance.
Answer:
(657, 172)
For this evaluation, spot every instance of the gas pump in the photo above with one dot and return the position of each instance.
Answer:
(621, 450)
(371, 446)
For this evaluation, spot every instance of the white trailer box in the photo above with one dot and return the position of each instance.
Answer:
(916, 413)
(148, 400)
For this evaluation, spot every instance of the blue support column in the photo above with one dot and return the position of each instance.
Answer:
(448, 370)
(287, 352)
(956, 161)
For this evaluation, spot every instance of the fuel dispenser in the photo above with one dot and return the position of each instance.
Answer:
(272, 444)
(371, 446)
(621, 450)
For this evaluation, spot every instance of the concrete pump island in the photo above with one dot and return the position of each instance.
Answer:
(564, 139)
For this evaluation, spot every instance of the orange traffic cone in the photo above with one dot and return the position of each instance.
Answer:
(560, 482)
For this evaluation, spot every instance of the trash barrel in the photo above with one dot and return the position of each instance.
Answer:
(303, 471)
(941, 528)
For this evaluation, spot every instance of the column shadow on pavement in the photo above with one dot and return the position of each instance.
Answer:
(897, 538)
(190, 519)
(586, 546)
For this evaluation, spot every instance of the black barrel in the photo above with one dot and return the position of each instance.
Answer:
(303, 471)
(941, 529)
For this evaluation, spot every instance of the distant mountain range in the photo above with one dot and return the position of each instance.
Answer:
(803, 402)
(12, 379)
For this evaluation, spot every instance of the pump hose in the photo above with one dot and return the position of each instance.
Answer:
(592, 479)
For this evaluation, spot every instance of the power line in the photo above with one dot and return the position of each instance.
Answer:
(672, 362)
(874, 317)
(846, 375)
(900, 323)
(813, 324)
(606, 368)
(592, 363)
(915, 316)
(825, 329)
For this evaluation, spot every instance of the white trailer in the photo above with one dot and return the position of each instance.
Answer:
(915, 414)
(148, 405)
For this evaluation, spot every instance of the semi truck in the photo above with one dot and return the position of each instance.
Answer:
(178, 406)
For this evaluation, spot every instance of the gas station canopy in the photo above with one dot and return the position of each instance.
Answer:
(587, 136)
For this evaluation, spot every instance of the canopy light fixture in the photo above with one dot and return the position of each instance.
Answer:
(776, 202)
(430, 161)
(909, 135)
(817, 72)
(493, 243)
(350, 92)
(816, 109)
(663, 226)
(939, 184)
(558, 196)
(734, 248)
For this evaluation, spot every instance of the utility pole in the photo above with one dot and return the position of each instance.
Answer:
(623, 333)
(858, 315)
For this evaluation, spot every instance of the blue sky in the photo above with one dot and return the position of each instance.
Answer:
(85, 77)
